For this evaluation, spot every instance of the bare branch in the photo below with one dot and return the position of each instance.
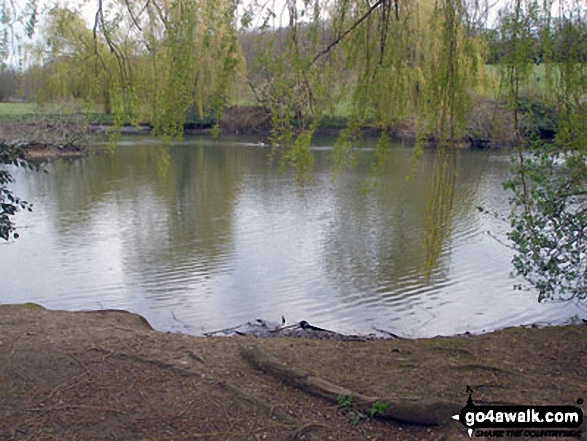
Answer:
(132, 16)
(160, 13)
(347, 32)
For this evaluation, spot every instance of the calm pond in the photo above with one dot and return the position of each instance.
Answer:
(208, 235)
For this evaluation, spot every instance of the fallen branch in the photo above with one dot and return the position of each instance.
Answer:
(426, 412)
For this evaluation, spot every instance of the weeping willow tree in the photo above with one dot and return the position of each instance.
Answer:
(385, 61)
(192, 54)
(153, 61)
(75, 65)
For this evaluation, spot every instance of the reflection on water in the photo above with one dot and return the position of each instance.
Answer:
(439, 210)
(220, 238)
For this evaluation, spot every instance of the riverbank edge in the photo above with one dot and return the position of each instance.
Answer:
(288, 331)
(519, 365)
(488, 126)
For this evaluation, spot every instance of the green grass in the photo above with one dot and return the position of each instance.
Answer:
(537, 83)
(16, 110)
(49, 111)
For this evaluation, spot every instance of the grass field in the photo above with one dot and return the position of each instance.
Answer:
(16, 110)
(50, 111)
(539, 80)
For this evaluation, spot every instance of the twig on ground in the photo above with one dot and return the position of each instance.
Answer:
(391, 334)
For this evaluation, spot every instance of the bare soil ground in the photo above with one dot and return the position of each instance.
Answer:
(106, 375)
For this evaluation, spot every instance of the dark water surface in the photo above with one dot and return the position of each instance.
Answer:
(207, 235)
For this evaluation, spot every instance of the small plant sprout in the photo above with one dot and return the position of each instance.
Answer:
(377, 409)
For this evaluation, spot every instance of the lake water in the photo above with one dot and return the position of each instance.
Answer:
(207, 234)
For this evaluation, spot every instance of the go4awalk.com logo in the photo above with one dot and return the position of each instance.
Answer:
(520, 421)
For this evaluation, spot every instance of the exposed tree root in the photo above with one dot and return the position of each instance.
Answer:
(427, 412)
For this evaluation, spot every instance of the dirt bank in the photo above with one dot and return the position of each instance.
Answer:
(42, 140)
(488, 126)
(108, 375)
(38, 152)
